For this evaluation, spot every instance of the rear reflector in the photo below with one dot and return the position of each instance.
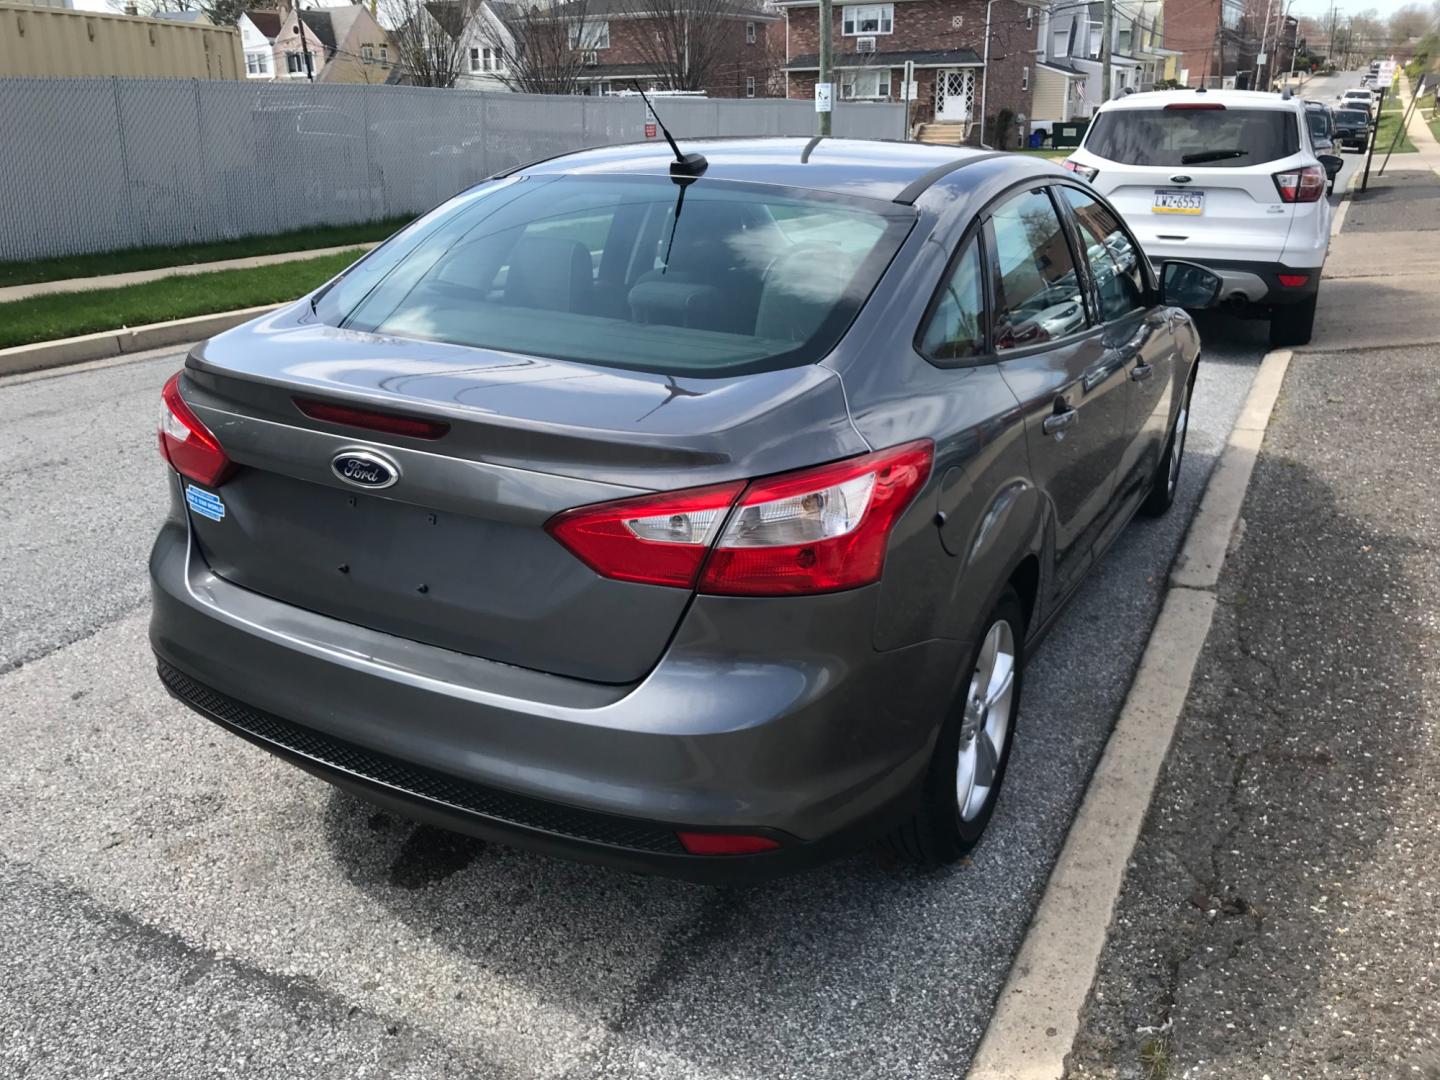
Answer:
(187, 444)
(1294, 281)
(1304, 185)
(705, 843)
(1197, 106)
(815, 530)
(370, 420)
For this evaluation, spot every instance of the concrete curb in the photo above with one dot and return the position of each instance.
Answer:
(1037, 1016)
(107, 343)
(11, 293)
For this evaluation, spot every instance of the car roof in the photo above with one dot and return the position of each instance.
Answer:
(1231, 99)
(872, 169)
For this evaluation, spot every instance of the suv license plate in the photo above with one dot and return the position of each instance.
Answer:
(1178, 201)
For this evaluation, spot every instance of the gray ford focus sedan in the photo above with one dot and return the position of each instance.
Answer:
(691, 516)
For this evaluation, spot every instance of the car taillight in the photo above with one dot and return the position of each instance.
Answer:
(815, 530)
(1085, 172)
(702, 843)
(187, 444)
(1301, 185)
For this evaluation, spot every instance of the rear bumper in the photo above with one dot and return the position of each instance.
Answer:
(1258, 283)
(804, 733)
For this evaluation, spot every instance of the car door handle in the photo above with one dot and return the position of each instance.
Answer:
(1060, 421)
(1141, 372)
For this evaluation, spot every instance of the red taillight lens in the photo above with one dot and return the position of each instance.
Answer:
(389, 423)
(704, 843)
(1197, 106)
(655, 539)
(816, 530)
(1085, 172)
(186, 443)
(1301, 185)
(1293, 281)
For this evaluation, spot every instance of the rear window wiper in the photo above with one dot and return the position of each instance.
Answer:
(1211, 155)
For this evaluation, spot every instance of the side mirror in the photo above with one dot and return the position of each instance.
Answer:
(1189, 285)
(1332, 163)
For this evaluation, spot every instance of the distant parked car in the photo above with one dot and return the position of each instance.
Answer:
(1358, 99)
(1232, 179)
(1353, 129)
(688, 516)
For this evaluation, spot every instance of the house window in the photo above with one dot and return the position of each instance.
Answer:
(294, 63)
(384, 52)
(590, 35)
(865, 83)
(1122, 42)
(1094, 50)
(867, 19)
(1029, 18)
(257, 63)
(750, 33)
(1062, 43)
(490, 59)
(749, 85)
(367, 53)
(474, 61)
(1024, 78)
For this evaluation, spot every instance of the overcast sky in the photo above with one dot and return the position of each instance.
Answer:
(1319, 8)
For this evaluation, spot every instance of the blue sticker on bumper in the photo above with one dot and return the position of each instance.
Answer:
(204, 503)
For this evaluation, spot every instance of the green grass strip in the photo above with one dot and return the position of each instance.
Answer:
(1389, 122)
(62, 315)
(154, 258)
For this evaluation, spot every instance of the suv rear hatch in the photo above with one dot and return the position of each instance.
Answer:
(1197, 180)
(454, 553)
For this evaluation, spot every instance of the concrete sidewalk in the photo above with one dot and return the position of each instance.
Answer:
(1279, 916)
(11, 293)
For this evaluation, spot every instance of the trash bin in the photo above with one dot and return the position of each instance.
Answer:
(1037, 140)
(1068, 136)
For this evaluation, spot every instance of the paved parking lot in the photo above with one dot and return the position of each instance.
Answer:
(174, 900)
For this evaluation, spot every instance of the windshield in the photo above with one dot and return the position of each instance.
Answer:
(709, 278)
(1224, 138)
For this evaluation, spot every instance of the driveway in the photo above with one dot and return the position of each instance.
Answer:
(175, 901)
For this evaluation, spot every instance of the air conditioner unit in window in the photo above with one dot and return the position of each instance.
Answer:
(592, 59)
(864, 44)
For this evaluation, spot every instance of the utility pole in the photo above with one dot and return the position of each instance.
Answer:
(1264, 34)
(1105, 31)
(304, 45)
(825, 89)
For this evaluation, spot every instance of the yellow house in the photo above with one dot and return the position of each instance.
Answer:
(40, 41)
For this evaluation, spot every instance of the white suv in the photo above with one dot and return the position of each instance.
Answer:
(1226, 178)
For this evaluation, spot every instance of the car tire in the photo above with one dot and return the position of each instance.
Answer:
(956, 802)
(1292, 324)
(1167, 474)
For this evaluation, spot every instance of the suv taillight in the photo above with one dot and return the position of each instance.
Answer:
(1085, 172)
(1301, 185)
(187, 444)
(811, 531)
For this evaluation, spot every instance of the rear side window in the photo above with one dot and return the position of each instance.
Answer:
(956, 330)
(709, 279)
(1037, 292)
(1214, 137)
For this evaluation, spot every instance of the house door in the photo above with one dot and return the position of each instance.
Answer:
(954, 94)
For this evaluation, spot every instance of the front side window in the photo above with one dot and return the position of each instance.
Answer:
(1037, 292)
(1114, 259)
(1215, 136)
(956, 330)
(619, 272)
(867, 19)
(866, 83)
(590, 35)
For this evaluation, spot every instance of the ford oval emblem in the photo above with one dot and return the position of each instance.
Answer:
(1179, 179)
(365, 468)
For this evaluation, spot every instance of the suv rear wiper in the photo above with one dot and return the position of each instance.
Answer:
(1211, 155)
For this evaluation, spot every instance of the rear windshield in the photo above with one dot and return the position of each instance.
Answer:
(1319, 122)
(1351, 116)
(1216, 138)
(707, 279)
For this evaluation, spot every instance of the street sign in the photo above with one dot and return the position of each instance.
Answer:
(1260, 59)
(650, 122)
(824, 96)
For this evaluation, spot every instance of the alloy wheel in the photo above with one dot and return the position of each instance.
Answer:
(986, 725)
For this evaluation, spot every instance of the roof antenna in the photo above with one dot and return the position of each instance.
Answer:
(686, 167)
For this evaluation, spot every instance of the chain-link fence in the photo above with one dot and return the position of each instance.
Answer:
(101, 164)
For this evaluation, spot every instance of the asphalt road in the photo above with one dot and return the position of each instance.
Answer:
(174, 900)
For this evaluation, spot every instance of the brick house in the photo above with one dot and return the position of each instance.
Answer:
(649, 41)
(945, 39)
(1213, 38)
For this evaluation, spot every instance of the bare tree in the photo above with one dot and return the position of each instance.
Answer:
(539, 47)
(1408, 22)
(429, 38)
(689, 44)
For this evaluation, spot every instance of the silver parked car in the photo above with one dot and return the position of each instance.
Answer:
(694, 516)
